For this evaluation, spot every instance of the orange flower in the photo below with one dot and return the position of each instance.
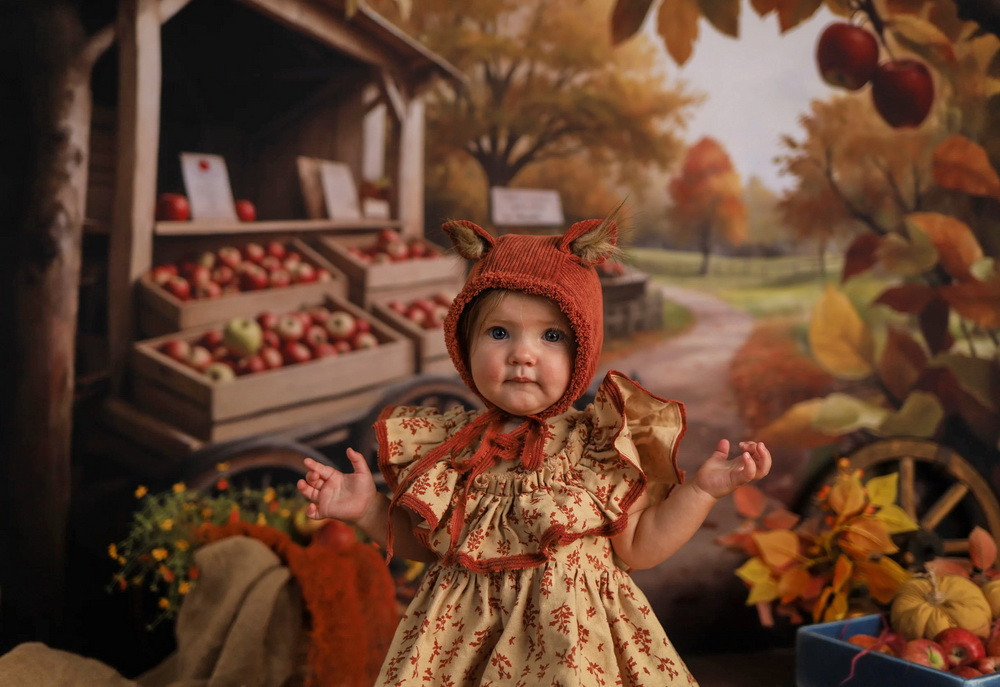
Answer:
(222, 484)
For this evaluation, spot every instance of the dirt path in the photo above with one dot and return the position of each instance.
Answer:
(696, 588)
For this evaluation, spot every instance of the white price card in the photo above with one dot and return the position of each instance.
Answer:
(339, 191)
(206, 180)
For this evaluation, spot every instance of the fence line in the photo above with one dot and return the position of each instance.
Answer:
(680, 264)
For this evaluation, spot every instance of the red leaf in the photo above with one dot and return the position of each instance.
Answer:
(909, 298)
(749, 501)
(982, 548)
(861, 255)
(902, 362)
(780, 519)
(934, 326)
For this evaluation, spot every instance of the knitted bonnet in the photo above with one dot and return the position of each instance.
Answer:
(560, 268)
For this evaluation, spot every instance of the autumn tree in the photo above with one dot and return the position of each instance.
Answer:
(545, 86)
(707, 198)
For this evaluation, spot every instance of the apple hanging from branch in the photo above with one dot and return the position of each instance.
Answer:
(847, 55)
(903, 92)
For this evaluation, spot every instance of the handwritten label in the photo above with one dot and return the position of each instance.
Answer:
(526, 207)
(206, 180)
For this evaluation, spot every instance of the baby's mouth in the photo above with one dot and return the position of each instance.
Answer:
(521, 380)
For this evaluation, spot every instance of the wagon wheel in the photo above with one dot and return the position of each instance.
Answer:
(939, 489)
(257, 463)
(435, 392)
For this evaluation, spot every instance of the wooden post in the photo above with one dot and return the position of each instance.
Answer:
(50, 81)
(131, 244)
(411, 168)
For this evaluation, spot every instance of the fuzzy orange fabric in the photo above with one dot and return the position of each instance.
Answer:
(349, 595)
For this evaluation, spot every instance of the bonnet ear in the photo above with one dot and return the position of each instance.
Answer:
(592, 240)
(470, 240)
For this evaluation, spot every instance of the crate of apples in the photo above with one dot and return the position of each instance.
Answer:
(955, 650)
(255, 276)
(421, 318)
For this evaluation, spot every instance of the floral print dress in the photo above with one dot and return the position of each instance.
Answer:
(527, 589)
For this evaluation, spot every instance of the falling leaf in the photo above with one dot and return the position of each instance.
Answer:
(749, 501)
(882, 490)
(976, 301)
(627, 18)
(961, 164)
(956, 245)
(677, 25)
(920, 416)
(840, 340)
(861, 255)
(778, 548)
(982, 548)
(724, 15)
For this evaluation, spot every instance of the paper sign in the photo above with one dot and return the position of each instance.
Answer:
(526, 207)
(375, 208)
(206, 181)
(339, 191)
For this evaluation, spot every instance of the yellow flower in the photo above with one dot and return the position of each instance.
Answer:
(222, 467)
(183, 587)
(141, 491)
(269, 495)
(285, 513)
(164, 603)
(167, 525)
(261, 520)
(160, 553)
(113, 551)
(182, 545)
(206, 513)
(179, 487)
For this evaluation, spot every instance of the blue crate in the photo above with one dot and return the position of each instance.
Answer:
(823, 659)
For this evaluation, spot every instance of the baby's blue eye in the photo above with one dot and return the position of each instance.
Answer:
(497, 333)
(553, 335)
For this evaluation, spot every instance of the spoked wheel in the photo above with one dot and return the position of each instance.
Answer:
(442, 393)
(253, 464)
(939, 489)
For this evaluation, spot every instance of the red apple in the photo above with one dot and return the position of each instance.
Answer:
(417, 315)
(303, 272)
(417, 248)
(397, 306)
(323, 275)
(179, 287)
(965, 671)
(280, 278)
(200, 358)
(254, 252)
(386, 237)
(295, 352)
(276, 249)
(318, 315)
(267, 319)
(246, 210)
(197, 273)
(253, 277)
(341, 325)
(291, 258)
(397, 251)
(316, 334)
(869, 642)
(323, 349)
(926, 652)
(271, 357)
(178, 349)
(221, 352)
(251, 364)
(173, 207)
(846, 55)
(362, 325)
(363, 340)
(903, 92)
(162, 273)
(230, 256)
(271, 338)
(290, 327)
(343, 346)
(223, 275)
(208, 289)
(271, 263)
(988, 664)
(443, 298)
(211, 339)
(960, 646)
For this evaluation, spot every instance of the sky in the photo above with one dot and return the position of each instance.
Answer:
(756, 87)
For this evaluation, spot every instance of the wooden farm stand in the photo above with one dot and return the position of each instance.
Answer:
(264, 84)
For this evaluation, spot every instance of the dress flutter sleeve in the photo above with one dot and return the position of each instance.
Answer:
(641, 429)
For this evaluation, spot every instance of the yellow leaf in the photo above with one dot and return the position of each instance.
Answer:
(840, 340)
(882, 577)
(724, 15)
(836, 608)
(843, 413)
(847, 496)
(864, 537)
(920, 416)
(778, 548)
(792, 12)
(923, 38)
(762, 593)
(896, 519)
(882, 490)
(956, 245)
(961, 164)
(677, 24)
(754, 571)
(793, 584)
(907, 257)
(842, 570)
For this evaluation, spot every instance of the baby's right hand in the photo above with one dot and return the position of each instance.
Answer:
(335, 494)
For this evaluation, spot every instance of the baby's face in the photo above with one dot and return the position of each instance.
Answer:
(521, 354)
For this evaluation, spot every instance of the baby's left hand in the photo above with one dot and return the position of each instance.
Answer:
(719, 476)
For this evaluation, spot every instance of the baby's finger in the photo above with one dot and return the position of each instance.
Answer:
(308, 491)
(325, 471)
(358, 462)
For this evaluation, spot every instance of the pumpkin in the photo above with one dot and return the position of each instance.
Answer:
(992, 592)
(923, 606)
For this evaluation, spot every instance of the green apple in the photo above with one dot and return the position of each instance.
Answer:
(242, 336)
(220, 372)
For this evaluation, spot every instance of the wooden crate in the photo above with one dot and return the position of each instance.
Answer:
(162, 313)
(320, 389)
(367, 283)
(430, 352)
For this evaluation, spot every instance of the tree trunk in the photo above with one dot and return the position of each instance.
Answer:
(47, 162)
(706, 248)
